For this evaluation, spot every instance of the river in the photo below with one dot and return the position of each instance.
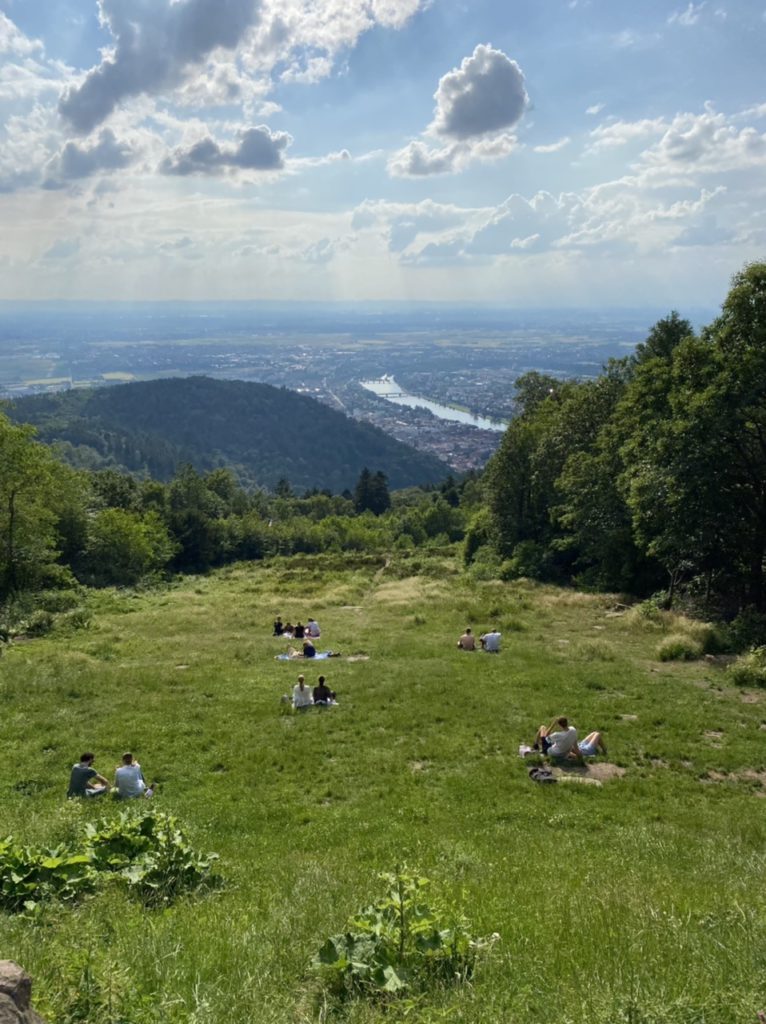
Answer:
(386, 387)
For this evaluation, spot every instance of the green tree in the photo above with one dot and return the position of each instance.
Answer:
(28, 517)
(124, 547)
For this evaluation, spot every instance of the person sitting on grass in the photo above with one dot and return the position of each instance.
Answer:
(299, 631)
(301, 694)
(84, 780)
(312, 629)
(490, 642)
(309, 651)
(129, 779)
(558, 740)
(287, 632)
(323, 695)
(467, 641)
(278, 627)
(592, 745)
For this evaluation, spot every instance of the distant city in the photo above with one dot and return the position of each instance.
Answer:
(463, 362)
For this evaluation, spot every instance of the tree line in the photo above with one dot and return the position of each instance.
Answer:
(650, 477)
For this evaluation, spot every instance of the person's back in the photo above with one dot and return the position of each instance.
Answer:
(83, 776)
(562, 743)
(467, 641)
(129, 779)
(313, 628)
(491, 641)
(302, 697)
(322, 692)
(299, 632)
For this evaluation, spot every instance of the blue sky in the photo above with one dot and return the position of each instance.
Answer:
(528, 152)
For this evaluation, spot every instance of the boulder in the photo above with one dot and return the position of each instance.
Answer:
(15, 995)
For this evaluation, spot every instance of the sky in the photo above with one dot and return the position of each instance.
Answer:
(530, 153)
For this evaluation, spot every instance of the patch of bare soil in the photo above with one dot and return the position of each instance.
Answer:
(358, 657)
(744, 775)
(750, 698)
(629, 718)
(590, 773)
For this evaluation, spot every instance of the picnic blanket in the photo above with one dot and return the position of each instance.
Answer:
(319, 656)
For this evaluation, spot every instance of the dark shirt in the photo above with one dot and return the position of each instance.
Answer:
(309, 651)
(278, 628)
(298, 632)
(323, 693)
(78, 780)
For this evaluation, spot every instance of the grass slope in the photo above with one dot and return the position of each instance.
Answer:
(640, 901)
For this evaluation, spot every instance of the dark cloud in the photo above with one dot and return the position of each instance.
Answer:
(108, 154)
(156, 41)
(485, 94)
(259, 149)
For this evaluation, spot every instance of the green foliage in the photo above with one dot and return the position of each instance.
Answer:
(401, 945)
(265, 433)
(750, 669)
(29, 877)
(679, 647)
(149, 853)
(152, 854)
(125, 547)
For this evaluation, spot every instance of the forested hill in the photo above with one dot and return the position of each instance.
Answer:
(262, 433)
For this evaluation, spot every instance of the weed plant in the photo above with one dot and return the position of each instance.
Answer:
(640, 901)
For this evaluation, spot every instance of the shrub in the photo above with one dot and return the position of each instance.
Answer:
(29, 876)
(400, 945)
(747, 630)
(149, 853)
(679, 647)
(750, 669)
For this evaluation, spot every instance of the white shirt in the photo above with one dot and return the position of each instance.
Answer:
(562, 743)
(302, 697)
(492, 641)
(313, 628)
(129, 780)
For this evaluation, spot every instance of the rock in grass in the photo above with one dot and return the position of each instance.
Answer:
(15, 995)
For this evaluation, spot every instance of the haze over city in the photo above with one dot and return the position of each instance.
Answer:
(545, 153)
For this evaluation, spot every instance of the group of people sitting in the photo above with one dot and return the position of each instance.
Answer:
(321, 695)
(559, 741)
(129, 782)
(490, 641)
(298, 631)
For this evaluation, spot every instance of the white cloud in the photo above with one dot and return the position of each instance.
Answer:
(612, 134)
(596, 108)
(485, 94)
(474, 104)
(689, 16)
(553, 147)
(14, 42)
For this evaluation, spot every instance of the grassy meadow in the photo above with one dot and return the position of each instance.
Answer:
(639, 901)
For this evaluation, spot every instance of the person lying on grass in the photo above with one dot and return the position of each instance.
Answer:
(84, 780)
(558, 740)
(592, 745)
(323, 695)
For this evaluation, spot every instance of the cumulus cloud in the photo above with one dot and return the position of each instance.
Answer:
(75, 161)
(14, 42)
(258, 149)
(475, 103)
(156, 43)
(485, 94)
